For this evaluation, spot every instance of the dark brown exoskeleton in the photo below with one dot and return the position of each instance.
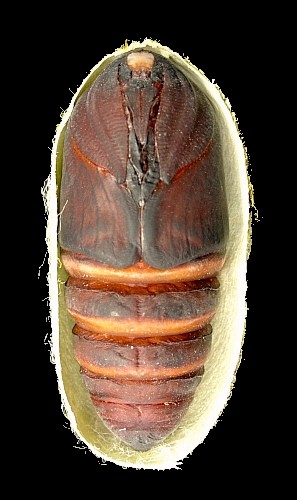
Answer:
(143, 234)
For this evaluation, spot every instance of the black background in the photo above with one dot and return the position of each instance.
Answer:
(237, 56)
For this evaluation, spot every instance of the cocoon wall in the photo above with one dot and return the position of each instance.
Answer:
(159, 246)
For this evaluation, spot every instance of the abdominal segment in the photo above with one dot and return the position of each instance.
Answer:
(142, 350)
